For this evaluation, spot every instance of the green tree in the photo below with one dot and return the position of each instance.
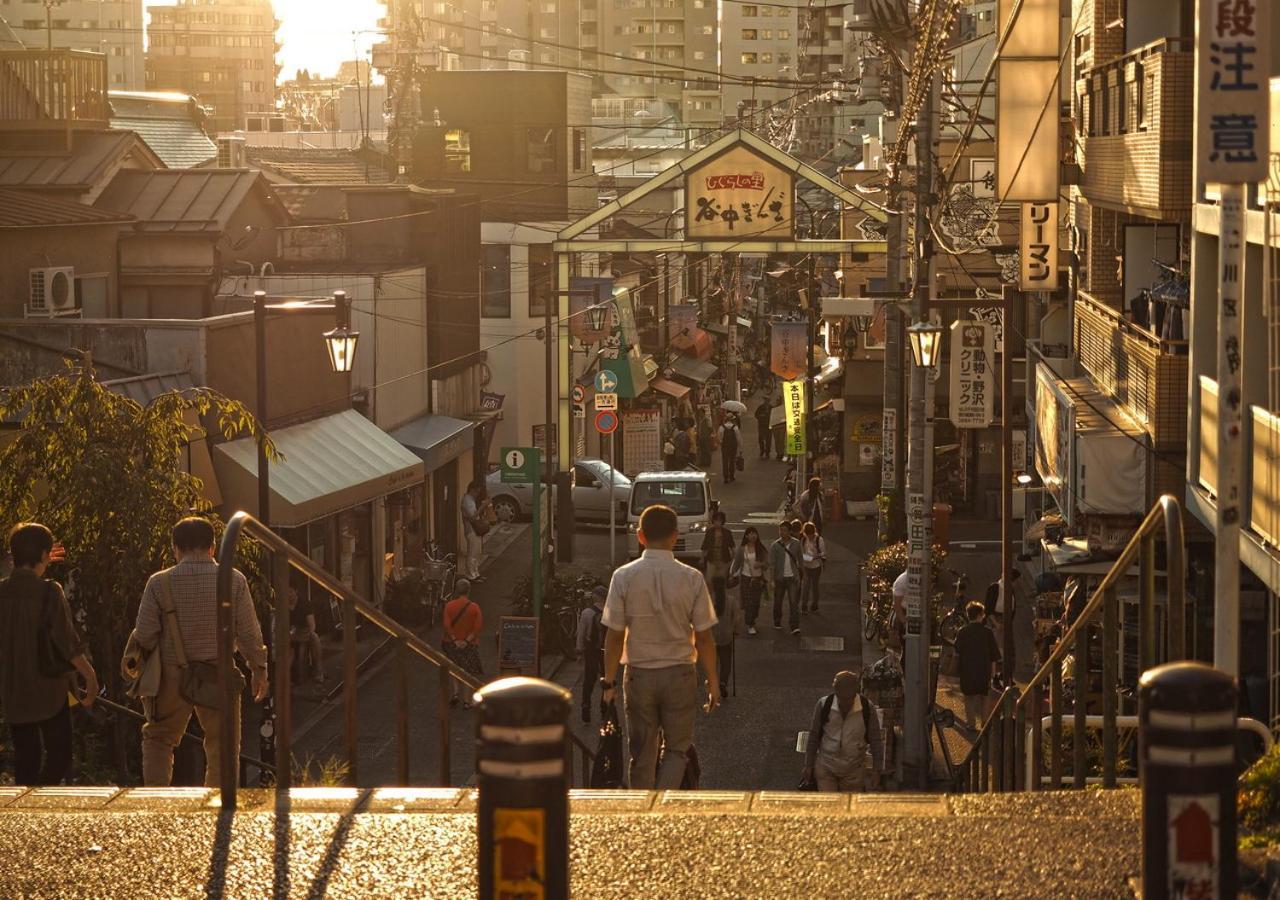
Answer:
(106, 475)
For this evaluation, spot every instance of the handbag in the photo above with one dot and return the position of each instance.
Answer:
(199, 679)
(479, 526)
(808, 784)
(49, 659)
(740, 463)
(609, 767)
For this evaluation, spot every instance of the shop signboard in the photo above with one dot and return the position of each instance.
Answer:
(972, 379)
(1232, 96)
(789, 350)
(642, 441)
(738, 194)
(1038, 237)
(793, 400)
(888, 449)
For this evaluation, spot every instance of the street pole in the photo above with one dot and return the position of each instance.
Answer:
(895, 413)
(1226, 575)
(536, 573)
(613, 506)
(732, 294)
(919, 480)
(1013, 300)
(260, 341)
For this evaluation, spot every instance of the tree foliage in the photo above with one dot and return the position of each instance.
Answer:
(107, 475)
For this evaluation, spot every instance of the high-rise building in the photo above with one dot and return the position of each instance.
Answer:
(222, 52)
(759, 42)
(110, 27)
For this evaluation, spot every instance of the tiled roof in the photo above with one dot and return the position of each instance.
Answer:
(169, 122)
(313, 202)
(92, 157)
(145, 388)
(28, 209)
(183, 200)
(316, 166)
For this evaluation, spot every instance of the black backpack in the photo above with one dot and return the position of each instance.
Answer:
(826, 714)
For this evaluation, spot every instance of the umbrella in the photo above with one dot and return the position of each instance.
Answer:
(734, 406)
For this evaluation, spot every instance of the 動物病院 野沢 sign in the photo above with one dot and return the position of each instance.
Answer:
(740, 194)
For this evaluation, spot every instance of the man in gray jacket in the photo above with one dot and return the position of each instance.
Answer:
(784, 563)
(845, 727)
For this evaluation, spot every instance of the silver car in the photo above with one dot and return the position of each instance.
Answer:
(590, 493)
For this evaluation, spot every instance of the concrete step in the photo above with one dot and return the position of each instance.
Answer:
(343, 842)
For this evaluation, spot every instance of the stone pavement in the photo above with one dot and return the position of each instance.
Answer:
(174, 842)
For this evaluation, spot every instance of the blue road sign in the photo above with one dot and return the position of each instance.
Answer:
(606, 382)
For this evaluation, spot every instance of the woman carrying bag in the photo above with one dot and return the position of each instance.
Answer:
(751, 569)
(813, 556)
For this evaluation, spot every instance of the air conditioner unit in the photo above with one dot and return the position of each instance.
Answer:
(231, 153)
(53, 291)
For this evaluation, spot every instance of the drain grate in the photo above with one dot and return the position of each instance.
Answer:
(826, 644)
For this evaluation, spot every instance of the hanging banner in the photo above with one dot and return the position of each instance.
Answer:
(739, 193)
(1232, 92)
(641, 442)
(586, 326)
(1038, 239)
(794, 407)
(972, 378)
(889, 449)
(1027, 126)
(790, 348)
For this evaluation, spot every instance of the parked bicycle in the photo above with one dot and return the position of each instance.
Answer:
(419, 593)
(878, 619)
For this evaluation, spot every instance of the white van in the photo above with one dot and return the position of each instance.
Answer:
(688, 493)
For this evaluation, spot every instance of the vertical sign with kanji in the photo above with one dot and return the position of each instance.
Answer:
(789, 350)
(889, 449)
(1232, 94)
(1039, 247)
(972, 377)
(793, 402)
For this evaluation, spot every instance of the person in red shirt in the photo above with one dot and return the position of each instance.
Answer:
(462, 623)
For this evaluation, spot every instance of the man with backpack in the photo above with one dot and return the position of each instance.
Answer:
(591, 632)
(845, 726)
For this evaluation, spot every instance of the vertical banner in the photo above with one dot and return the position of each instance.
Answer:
(1038, 240)
(641, 441)
(789, 350)
(972, 375)
(793, 404)
(1027, 145)
(889, 450)
(1232, 93)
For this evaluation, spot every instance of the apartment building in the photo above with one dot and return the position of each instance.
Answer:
(113, 28)
(222, 52)
(760, 42)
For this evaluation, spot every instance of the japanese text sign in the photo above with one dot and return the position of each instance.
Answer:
(1232, 93)
(739, 194)
(793, 401)
(789, 350)
(1039, 247)
(972, 375)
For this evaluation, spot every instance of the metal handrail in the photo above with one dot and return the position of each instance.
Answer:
(1009, 718)
(243, 525)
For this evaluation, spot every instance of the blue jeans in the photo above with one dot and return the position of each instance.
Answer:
(786, 587)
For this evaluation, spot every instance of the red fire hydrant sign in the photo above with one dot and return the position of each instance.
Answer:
(1193, 842)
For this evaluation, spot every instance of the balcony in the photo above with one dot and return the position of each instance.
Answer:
(1136, 130)
(1144, 373)
(52, 90)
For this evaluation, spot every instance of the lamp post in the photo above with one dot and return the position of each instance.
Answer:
(340, 344)
(926, 346)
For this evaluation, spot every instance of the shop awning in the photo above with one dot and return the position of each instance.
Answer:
(670, 388)
(697, 341)
(1073, 557)
(696, 370)
(436, 439)
(329, 464)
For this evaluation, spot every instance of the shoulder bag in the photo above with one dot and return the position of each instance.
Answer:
(199, 684)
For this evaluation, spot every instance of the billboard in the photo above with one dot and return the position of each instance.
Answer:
(740, 194)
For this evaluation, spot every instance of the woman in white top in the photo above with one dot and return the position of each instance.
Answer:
(813, 556)
(750, 566)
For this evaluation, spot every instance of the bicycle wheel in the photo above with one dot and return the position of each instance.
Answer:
(950, 626)
(882, 633)
(869, 625)
(432, 602)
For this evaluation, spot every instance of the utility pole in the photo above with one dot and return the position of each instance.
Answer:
(893, 424)
(735, 282)
(919, 474)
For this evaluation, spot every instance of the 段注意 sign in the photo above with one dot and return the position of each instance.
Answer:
(972, 376)
(740, 194)
(1038, 240)
(1232, 92)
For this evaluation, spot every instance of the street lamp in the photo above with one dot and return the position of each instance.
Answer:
(862, 324)
(595, 316)
(341, 341)
(926, 344)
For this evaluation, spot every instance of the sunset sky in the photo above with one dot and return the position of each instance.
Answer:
(318, 36)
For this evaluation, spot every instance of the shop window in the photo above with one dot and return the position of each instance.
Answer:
(540, 279)
(495, 281)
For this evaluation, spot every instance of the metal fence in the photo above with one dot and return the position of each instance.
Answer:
(284, 557)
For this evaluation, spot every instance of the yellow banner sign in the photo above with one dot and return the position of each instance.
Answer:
(793, 400)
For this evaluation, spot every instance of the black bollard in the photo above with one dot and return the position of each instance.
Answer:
(1188, 768)
(523, 812)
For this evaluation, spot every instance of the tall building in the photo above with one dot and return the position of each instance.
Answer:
(222, 52)
(110, 27)
(757, 42)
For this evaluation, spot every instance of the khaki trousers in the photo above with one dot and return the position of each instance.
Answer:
(161, 736)
(840, 781)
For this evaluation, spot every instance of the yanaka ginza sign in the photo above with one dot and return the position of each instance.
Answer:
(739, 194)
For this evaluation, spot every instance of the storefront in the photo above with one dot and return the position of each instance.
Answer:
(330, 489)
(441, 442)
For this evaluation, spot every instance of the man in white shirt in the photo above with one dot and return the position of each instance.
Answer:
(844, 730)
(659, 617)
